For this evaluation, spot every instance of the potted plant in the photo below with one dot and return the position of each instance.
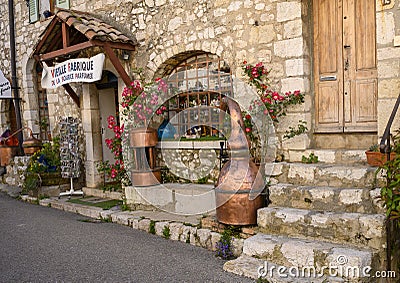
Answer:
(377, 158)
(44, 169)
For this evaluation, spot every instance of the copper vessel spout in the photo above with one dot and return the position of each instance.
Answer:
(239, 187)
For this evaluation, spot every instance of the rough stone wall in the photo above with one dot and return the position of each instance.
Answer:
(388, 56)
(195, 165)
(269, 31)
(15, 171)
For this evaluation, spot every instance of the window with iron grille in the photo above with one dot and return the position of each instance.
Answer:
(201, 80)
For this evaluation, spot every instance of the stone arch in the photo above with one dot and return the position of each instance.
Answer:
(160, 64)
(29, 105)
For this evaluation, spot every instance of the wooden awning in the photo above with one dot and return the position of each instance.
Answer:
(70, 32)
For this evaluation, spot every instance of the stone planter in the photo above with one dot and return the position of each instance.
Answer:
(47, 184)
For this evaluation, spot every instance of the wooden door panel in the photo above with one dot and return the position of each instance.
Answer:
(366, 106)
(362, 72)
(328, 104)
(328, 71)
(327, 33)
(365, 38)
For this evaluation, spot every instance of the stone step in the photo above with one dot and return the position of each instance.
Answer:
(323, 174)
(338, 156)
(257, 268)
(361, 230)
(311, 254)
(360, 200)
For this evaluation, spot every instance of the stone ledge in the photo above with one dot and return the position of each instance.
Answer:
(182, 228)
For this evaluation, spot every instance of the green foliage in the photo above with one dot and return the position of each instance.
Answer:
(374, 148)
(166, 232)
(293, 131)
(47, 159)
(310, 159)
(31, 183)
(390, 193)
(124, 205)
(105, 205)
(203, 180)
(152, 227)
(224, 245)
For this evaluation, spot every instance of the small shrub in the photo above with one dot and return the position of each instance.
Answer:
(166, 232)
(310, 159)
(224, 245)
(152, 227)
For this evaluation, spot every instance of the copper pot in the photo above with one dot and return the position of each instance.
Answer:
(143, 137)
(31, 145)
(239, 187)
(144, 171)
(7, 153)
(239, 193)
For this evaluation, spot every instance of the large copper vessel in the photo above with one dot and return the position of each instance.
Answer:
(239, 188)
(144, 171)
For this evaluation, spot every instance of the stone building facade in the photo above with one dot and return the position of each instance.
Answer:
(278, 32)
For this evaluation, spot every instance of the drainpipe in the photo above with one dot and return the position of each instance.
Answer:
(14, 83)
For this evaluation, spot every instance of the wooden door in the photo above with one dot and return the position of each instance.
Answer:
(345, 75)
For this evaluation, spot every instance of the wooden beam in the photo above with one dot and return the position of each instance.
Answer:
(46, 35)
(115, 45)
(65, 35)
(65, 51)
(117, 64)
(72, 94)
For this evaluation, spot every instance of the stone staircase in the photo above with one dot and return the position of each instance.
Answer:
(321, 215)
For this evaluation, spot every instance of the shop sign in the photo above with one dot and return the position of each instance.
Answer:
(5, 87)
(74, 70)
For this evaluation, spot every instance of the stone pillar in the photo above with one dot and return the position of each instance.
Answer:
(92, 134)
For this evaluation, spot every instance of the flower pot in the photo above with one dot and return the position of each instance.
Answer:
(375, 158)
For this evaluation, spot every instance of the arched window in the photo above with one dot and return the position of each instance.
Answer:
(201, 80)
(43, 110)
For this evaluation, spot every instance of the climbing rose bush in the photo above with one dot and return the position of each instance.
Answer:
(139, 104)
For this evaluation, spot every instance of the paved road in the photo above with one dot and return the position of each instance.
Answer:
(40, 244)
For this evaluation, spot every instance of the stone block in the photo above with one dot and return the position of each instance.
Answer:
(293, 29)
(160, 226)
(188, 235)
(289, 47)
(176, 230)
(386, 87)
(122, 218)
(385, 28)
(237, 246)
(297, 67)
(286, 11)
(204, 238)
(135, 223)
(144, 225)
(260, 245)
(215, 238)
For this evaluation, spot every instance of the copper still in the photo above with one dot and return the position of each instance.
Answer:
(239, 188)
(144, 171)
